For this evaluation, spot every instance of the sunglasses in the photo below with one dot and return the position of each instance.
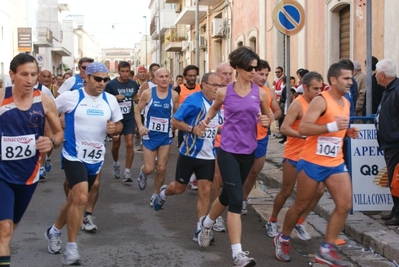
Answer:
(83, 67)
(100, 79)
(250, 68)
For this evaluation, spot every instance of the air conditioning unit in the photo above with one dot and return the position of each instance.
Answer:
(177, 8)
(202, 41)
(185, 45)
(217, 27)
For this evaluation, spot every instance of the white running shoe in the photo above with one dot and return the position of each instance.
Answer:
(126, 177)
(152, 199)
(71, 256)
(300, 230)
(117, 171)
(54, 242)
(219, 225)
(88, 224)
(244, 209)
(271, 229)
(204, 236)
(142, 180)
(242, 260)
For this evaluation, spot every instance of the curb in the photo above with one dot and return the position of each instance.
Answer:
(363, 229)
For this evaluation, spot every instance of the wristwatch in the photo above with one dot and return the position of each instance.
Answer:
(190, 129)
(53, 142)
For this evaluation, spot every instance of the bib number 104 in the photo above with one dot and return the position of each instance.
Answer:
(328, 150)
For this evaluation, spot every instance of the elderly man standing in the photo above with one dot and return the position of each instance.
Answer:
(386, 121)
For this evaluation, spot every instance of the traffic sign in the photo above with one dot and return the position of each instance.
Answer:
(288, 17)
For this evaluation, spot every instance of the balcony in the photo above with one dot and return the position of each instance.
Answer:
(44, 37)
(174, 37)
(187, 16)
(207, 2)
(167, 20)
(61, 51)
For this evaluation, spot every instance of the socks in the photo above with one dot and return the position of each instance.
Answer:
(208, 222)
(53, 230)
(127, 170)
(87, 213)
(283, 238)
(301, 220)
(5, 261)
(273, 220)
(236, 248)
(162, 194)
(70, 245)
(325, 247)
(116, 163)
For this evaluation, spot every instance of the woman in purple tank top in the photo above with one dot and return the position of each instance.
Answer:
(245, 104)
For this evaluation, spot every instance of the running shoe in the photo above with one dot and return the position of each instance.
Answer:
(71, 256)
(126, 177)
(282, 249)
(47, 164)
(219, 225)
(242, 260)
(152, 199)
(142, 180)
(331, 258)
(42, 173)
(204, 236)
(244, 208)
(158, 202)
(117, 171)
(195, 237)
(88, 224)
(137, 140)
(193, 185)
(54, 242)
(271, 229)
(300, 230)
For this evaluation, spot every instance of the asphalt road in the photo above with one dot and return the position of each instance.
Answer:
(133, 234)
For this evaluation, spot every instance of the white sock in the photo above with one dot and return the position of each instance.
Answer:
(236, 248)
(198, 226)
(127, 170)
(162, 194)
(54, 230)
(208, 222)
(70, 245)
(116, 163)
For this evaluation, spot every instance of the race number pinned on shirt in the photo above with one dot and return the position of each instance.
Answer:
(158, 124)
(91, 152)
(212, 129)
(328, 146)
(125, 106)
(18, 147)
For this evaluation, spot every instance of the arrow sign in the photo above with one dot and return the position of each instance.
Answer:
(288, 17)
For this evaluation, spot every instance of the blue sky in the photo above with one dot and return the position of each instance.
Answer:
(125, 15)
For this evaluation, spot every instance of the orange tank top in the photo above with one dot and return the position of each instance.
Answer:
(294, 145)
(326, 149)
(185, 92)
(262, 132)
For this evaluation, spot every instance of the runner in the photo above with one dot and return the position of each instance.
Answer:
(312, 83)
(158, 104)
(125, 91)
(238, 143)
(325, 124)
(197, 154)
(90, 114)
(24, 112)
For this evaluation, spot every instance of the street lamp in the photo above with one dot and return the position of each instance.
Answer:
(145, 34)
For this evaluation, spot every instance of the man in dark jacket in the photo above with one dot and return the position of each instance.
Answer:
(387, 125)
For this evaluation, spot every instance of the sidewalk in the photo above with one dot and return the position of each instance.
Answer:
(367, 230)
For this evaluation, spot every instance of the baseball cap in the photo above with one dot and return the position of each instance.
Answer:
(96, 67)
(142, 68)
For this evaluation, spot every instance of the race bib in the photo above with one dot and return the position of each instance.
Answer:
(328, 146)
(91, 152)
(18, 147)
(158, 125)
(212, 129)
(125, 107)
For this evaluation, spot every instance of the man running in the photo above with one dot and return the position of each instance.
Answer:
(325, 124)
(125, 91)
(197, 154)
(24, 113)
(158, 104)
(312, 83)
(90, 115)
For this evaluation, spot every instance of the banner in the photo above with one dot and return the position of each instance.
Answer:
(368, 171)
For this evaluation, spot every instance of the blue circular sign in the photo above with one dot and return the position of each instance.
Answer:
(289, 17)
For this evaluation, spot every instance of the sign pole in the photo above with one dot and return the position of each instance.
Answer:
(287, 71)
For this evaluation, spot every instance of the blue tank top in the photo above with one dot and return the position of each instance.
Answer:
(240, 119)
(157, 115)
(78, 83)
(20, 161)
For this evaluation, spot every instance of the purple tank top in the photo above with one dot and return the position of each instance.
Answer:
(240, 119)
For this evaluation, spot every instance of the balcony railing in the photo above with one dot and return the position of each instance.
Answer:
(44, 36)
(176, 34)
